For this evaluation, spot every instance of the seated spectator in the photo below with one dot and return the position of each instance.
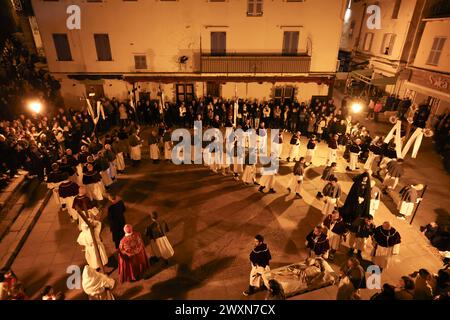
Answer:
(387, 293)
(405, 290)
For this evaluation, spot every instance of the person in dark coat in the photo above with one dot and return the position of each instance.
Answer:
(116, 218)
(357, 203)
(259, 258)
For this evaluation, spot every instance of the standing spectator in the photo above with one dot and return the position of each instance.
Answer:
(371, 107)
(377, 109)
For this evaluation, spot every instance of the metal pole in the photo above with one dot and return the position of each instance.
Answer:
(417, 207)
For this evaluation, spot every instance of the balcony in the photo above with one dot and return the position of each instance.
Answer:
(255, 64)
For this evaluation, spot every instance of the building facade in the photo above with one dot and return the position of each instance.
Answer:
(409, 55)
(385, 51)
(428, 80)
(185, 48)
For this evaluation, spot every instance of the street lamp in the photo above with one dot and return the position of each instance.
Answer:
(35, 106)
(356, 107)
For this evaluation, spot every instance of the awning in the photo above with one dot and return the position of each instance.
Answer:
(370, 77)
(364, 75)
(95, 77)
(383, 81)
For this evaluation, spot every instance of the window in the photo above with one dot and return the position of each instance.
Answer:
(96, 89)
(396, 9)
(284, 94)
(102, 46)
(218, 43)
(255, 8)
(140, 62)
(184, 92)
(368, 41)
(436, 49)
(62, 47)
(388, 43)
(290, 42)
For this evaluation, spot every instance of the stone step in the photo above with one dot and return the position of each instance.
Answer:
(26, 216)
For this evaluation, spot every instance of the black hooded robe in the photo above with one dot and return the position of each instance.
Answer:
(352, 209)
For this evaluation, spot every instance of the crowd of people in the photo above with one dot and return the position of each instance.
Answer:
(21, 78)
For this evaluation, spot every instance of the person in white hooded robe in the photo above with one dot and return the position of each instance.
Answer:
(95, 283)
(85, 239)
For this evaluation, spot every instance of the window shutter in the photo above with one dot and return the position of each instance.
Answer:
(62, 47)
(103, 47)
(440, 44)
(286, 42)
(250, 6)
(259, 6)
(392, 42)
(294, 42)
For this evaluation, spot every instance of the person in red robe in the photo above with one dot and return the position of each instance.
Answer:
(133, 261)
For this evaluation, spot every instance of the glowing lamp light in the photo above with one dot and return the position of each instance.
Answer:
(92, 94)
(35, 106)
(356, 107)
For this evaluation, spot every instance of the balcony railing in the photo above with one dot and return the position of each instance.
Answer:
(255, 64)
